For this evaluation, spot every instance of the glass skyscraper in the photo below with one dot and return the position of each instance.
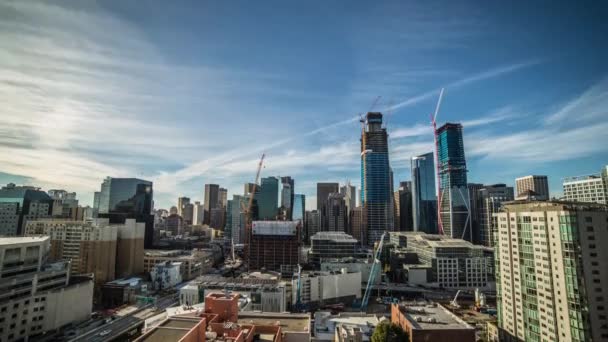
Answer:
(424, 196)
(268, 198)
(376, 192)
(454, 202)
(123, 198)
(299, 207)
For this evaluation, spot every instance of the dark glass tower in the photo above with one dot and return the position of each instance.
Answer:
(299, 207)
(268, 198)
(424, 196)
(123, 198)
(454, 199)
(212, 200)
(376, 192)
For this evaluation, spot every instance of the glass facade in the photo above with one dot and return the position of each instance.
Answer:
(268, 198)
(424, 196)
(299, 207)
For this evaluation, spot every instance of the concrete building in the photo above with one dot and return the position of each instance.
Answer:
(37, 297)
(212, 200)
(274, 245)
(376, 179)
(218, 218)
(345, 326)
(534, 186)
(487, 201)
(193, 263)
(265, 292)
(130, 248)
(235, 218)
(424, 195)
(325, 287)
(223, 197)
(19, 204)
(222, 322)
(330, 245)
(335, 218)
(437, 260)
(166, 275)
(357, 229)
(174, 224)
(198, 213)
(313, 223)
(551, 271)
(350, 196)
(351, 264)
(591, 188)
(431, 323)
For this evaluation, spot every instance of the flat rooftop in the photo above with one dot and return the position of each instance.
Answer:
(419, 315)
(22, 239)
(172, 329)
(287, 321)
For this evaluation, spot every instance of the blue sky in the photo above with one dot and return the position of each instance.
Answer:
(188, 93)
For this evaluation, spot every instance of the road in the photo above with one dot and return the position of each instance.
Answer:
(111, 330)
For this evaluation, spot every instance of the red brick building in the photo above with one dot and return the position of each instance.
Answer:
(431, 323)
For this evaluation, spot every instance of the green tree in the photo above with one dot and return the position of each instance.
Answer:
(389, 332)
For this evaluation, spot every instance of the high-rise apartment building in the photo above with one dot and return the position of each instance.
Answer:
(376, 191)
(404, 220)
(36, 296)
(532, 187)
(124, 198)
(487, 202)
(19, 204)
(591, 188)
(268, 198)
(424, 195)
(299, 207)
(350, 196)
(454, 201)
(212, 200)
(336, 215)
(551, 271)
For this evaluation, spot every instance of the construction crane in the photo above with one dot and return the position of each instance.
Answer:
(437, 166)
(248, 218)
(454, 302)
(299, 290)
(376, 267)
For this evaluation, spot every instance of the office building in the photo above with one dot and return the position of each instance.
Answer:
(236, 218)
(326, 287)
(268, 198)
(424, 195)
(181, 203)
(19, 204)
(174, 224)
(223, 197)
(249, 188)
(357, 229)
(193, 263)
(212, 200)
(65, 205)
(38, 297)
(331, 245)
(198, 213)
(287, 195)
(336, 215)
(274, 245)
(299, 207)
(487, 202)
(313, 223)
(432, 322)
(218, 218)
(323, 191)
(532, 187)
(591, 188)
(376, 191)
(350, 196)
(551, 271)
(474, 210)
(454, 201)
(404, 219)
(438, 260)
(185, 209)
(125, 198)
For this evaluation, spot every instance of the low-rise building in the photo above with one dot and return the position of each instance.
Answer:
(345, 326)
(324, 287)
(431, 323)
(166, 275)
(331, 245)
(37, 296)
(351, 264)
(193, 263)
(121, 291)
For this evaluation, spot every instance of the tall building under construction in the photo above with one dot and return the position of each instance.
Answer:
(376, 192)
(454, 202)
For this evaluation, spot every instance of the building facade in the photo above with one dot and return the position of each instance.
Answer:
(19, 204)
(212, 200)
(326, 287)
(313, 223)
(424, 195)
(376, 191)
(287, 195)
(551, 271)
(299, 207)
(274, 245)
(534, 186)
(404, 220)
(268, 198)
(336, 214)
(330, 245)
(590, 188)
(350, 196)
(488, 202)
(454, 201)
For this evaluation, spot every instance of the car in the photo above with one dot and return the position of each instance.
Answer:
(105, 332)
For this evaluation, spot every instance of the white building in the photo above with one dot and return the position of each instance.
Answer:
(590, 188)
(346, 326)
(362, 266)
(166, 274)
(318, 288)
(36, 296)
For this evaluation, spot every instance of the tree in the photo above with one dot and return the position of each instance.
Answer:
(389, 332)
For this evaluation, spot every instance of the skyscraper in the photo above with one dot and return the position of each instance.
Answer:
(313, 223)
(268, 198)
(198, 212)
(454, 201)
(185, 209)
(223, 197)
(336, 216)
(299, 207)
(323, 191)
(532, 187)
(212, 200)
(424, 195)
(287, 195)
(18, 204)
(551, 277)
(403, 208)
(350, 196)
(488, 202)
(376, 192)
(123, 198)
(474, 210)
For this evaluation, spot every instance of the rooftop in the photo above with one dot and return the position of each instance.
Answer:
(172, 329)
(288, 322)
(552, 205)
(22, 239)
(333, 236)
(432, 317)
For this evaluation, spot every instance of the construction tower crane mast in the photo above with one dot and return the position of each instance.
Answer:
(437, 166)
(248, 217)
(376, 267)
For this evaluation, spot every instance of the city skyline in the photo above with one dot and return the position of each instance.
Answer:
(80, 109)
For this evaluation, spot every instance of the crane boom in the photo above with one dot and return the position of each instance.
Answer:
(437, 166)
(248, 217)
(376, 266)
